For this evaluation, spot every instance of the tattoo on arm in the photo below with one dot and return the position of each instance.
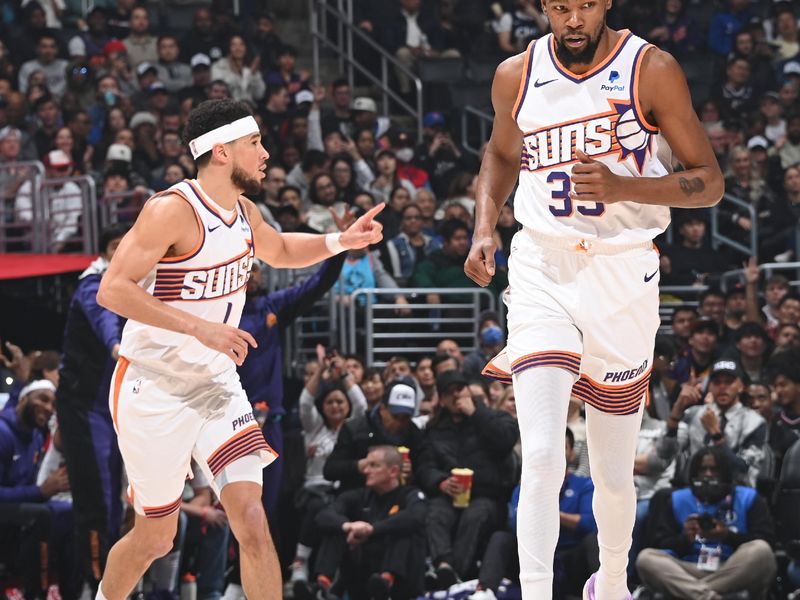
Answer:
(692, 186)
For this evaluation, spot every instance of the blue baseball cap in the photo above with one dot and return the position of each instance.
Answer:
(433, 119)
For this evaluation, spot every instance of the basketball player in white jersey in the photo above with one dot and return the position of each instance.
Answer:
(581, 118)
(180, 276)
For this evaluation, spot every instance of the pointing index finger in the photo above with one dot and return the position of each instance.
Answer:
(373, 212)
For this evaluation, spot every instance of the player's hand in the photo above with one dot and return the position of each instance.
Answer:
(232, 342)
(365, 231)
(593, 181)
(480, 261)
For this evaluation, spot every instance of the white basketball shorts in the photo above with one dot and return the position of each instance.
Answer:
(163, 421)
(588, 307)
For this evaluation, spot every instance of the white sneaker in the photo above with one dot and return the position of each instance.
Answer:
(482, 595)
(299, 571)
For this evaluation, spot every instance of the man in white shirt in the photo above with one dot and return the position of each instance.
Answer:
(47, 62)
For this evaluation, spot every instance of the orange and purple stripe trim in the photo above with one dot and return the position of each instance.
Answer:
(247, 441)
(615, 400)
(155, 512)
(550, 358)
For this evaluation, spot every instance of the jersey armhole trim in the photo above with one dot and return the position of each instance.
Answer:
(637, 108)
(194, 251)
(525, 81)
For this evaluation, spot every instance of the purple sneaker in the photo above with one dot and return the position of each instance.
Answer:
(588, 589)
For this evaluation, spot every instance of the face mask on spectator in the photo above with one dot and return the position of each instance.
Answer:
(709, 490)
(491, 335)
(405, 154)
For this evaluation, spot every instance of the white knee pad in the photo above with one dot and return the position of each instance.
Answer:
(247, 468)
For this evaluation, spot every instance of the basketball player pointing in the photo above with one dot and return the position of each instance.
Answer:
(586, 108)
(180, 276)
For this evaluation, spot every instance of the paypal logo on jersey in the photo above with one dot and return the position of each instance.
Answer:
(613, 77)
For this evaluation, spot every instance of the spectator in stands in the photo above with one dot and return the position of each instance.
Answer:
(240, 72)
(339, 116)
(517, 28)
(47, 62)
(364, 113)
(409, 246)
(787, 337)
(451, 348)
(663, 385)
(787, 40)
(464, 433)
(775, 288)
(737, 96)
(674, 31)
(788, 148)
(323, 411)
(724, 25)
(174, 74)
(142, 46)
(753, 347)
(440, 155)
(200, 65)
(373, 386)
(92, 42)
(275, 116)
(387, 423)
(387, 178)
(712, 538)
(23, 430)
(773, 112)
(49, 118)
(690, 261)
(203, 37)
(373, 534)
(491, 339)
(759, 397)
(693, 367)
(784, 370)
(788, 310)
(719, 420)
(322, 194)
(12, 178)
(682, 319)
(444, 268)
(285, 74)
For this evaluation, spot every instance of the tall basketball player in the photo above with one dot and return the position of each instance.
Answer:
(588, 111)
(180, 277)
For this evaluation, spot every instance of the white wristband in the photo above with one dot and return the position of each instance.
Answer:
(333, 243)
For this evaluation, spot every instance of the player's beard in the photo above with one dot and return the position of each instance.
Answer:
(568, 58)
(249, 185)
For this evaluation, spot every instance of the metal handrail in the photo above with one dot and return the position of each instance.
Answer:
(344, 22)
(717, 238)
(485, 121)
(736, 275)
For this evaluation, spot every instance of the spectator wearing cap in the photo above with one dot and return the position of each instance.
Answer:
(389, 422)
(47, 62)
(240, 71)
(65, 201)
(146, 76)
(773, 111)
(464, 433)
(716, 417)
(440, 155)
(285, 73)
(118, 166)
(204, 37)
(140, 43)
(491, 339)
(693, 367)
(753, 346)
(200, 65)
(364, 111)
(784, 375)
(373, 536)
(174, 74)
(45, 524)
(118, 66)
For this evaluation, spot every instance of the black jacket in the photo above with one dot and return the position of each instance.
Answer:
(355, 439)
(483, 442)
(397, 513)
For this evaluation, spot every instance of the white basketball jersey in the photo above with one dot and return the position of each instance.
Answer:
(210, 281)
(598, 112)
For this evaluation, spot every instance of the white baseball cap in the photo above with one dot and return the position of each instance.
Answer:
(119, 152)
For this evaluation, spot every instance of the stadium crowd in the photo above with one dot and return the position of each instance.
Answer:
(362, 499)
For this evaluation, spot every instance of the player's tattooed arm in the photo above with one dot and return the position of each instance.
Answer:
(695, 185)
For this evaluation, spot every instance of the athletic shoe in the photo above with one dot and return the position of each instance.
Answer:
(588, 589)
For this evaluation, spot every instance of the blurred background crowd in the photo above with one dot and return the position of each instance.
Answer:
(368, 376)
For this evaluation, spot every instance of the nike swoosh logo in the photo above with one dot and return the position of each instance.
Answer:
(210, 228)
(538, 84)
(647, 278)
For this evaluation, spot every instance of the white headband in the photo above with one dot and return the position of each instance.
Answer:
(35, 386)
(222, 135)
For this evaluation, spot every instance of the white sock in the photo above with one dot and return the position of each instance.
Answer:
(100, 595)
(612, 441)
(543, 397)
